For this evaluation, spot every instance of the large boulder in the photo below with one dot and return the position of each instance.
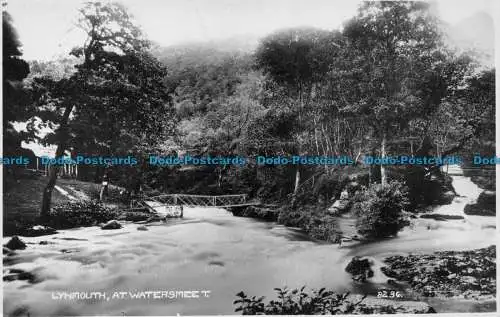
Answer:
(487, 198)
(112, 224)
(15, 244)
(20, 275)
(339, 206)
(445, 198)
(434, 190)
(360, 268)
(485, 205)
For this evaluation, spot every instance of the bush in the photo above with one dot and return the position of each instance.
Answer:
(294, 217)
(380, 210)
(323, 228)
(296, 302)
(79, 214)
(263, 213)
(315, 222)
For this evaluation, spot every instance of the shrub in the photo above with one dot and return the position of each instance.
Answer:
(294, 217)
(323, 228)
(296, 302)
(79, 214)
(315, 222)
(380, 210)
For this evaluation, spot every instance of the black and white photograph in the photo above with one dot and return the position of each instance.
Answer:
(249, 157)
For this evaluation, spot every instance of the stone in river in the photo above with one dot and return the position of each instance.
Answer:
(392, 282)
(16, 244)
(485, 205)
(446, 198)
(360, 268)
(112, 224)
(37, 231)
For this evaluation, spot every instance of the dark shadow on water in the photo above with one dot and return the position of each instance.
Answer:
(206, 255)
(290, 233)
(113, 234)
(70, 239)
(216, 263)
(363, 244)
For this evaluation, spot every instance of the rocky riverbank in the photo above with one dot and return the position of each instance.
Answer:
(300, 302)
(448, 274)
(374, 305)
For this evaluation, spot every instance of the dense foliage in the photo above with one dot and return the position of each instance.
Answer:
(16, 101)
(295, 302)
(79, 214)
(386, 84)
(380, 209)
(115, 102)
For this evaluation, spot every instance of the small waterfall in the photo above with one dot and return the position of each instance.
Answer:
(468, 193)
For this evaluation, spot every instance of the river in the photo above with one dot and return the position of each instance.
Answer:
(211, 250)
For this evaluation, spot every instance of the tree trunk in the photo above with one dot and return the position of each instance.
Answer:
(61, 147)
(383, 177)
(101, 193)
(296, 187)
(219, 178)
(297, 181)
(47, 192)
(370, 176)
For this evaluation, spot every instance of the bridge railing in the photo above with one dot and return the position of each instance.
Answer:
(200, 200)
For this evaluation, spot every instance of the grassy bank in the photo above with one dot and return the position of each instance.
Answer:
(23, 198)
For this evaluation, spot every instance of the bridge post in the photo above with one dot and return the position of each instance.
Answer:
(175, 199)
(214, 201)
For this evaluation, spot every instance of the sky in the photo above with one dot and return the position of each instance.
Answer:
(46, 27)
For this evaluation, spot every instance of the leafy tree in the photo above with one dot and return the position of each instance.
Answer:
(395, 67)
(217, 96)
(16, 99)
(115, 101)
(469, 117)
(298, 60)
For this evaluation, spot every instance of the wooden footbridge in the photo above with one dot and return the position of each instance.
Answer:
(220, 201)
(171, 204)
